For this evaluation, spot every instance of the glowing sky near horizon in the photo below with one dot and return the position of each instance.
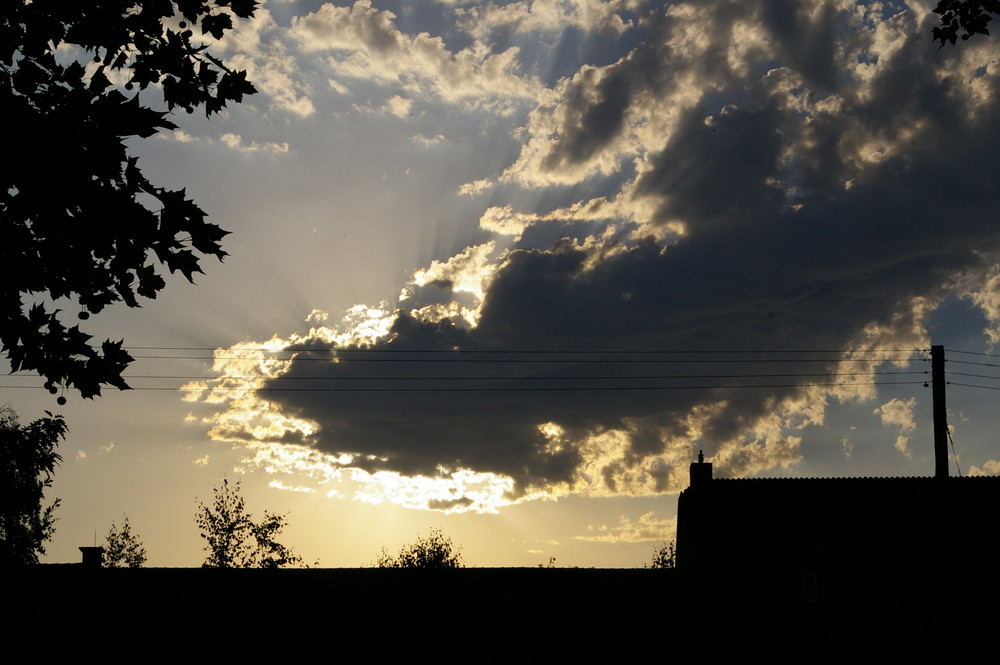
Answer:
(455, 186)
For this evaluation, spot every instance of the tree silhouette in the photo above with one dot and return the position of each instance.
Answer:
(27, 460)
(234, 540)
(434, 551)
(122, 548)
(79, 219)
(664, 556)
(968, 16)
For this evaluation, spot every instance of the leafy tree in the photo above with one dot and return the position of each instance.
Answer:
(234, 540)
(664, 556)
(122, 548)
(72, 211)
(968, 16)
(434, 551)
(28, 458)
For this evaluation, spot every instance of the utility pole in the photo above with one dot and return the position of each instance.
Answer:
(940, 413)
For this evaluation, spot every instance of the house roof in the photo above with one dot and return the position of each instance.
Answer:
(742, 519)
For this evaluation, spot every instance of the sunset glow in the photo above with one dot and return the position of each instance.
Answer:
(504, 268)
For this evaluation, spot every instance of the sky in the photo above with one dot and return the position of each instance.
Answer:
(504, 268)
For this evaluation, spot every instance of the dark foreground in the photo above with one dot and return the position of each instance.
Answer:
(494, 615)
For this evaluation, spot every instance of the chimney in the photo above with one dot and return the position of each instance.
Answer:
(701, 471)
(93, 557)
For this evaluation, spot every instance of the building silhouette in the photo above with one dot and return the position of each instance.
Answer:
(810, 525)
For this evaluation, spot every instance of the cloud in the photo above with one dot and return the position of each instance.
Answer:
(448, 492)
(366, 43)
(546, 16)
(428, 141)
(466, 272)
(986, 295)
(339, 88)
(505, 221)
(649, 527)
(475, 188)
(451, 290)
(235, 141)
(399, 106)
(101, 450)
(900, 413)
(258, 46)
(317, 316)
(847, 445)
(740, 179)
(278, 485)
(989, 468)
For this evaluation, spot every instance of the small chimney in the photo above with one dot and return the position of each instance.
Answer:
(93, 557)
(701, 471)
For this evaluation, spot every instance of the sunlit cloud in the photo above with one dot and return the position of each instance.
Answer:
(298, 460)
(317, 316)
(258, 46)
(278, 485)
(399, 106)
(338, 87)
(466, 272)
(450, 492)
(899, 413)
(648, 527)
(848, 447)
(546, 16)
(367, 44)
(986, 295)
(989, 468)
(475, 188)
(428, 141)
(235, 141)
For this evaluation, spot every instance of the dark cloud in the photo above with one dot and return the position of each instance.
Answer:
(817, 206)
(807, 37)
(449, 504)
(725, 171)
(593, 113)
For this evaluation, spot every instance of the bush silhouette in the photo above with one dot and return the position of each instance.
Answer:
(664, 556)
(434, 551)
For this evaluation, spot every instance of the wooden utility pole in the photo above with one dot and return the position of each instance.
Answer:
(940, 413)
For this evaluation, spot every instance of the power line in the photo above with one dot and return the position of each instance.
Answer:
(610, 377)
(481, 355)
(975, 376)
(517, 389)
(509, 350)
(970, 385)
(969, 362)
(543, 360)
(972, 353)
(533, 361)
